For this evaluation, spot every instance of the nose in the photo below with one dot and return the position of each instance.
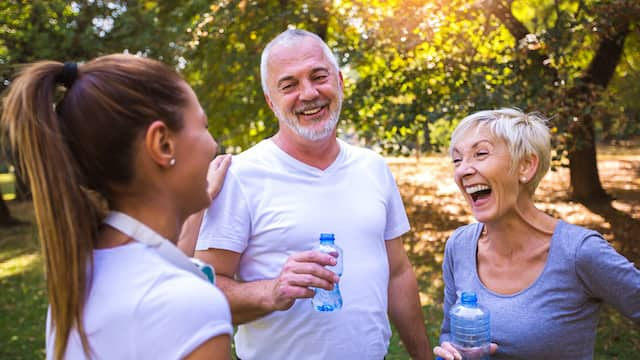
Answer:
(308, 91)
(214, 146)
(464, 169)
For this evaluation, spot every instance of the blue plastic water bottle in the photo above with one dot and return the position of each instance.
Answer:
(329, 300)
(470, 332)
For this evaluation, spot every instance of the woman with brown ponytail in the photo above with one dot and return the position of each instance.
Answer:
(128, 131)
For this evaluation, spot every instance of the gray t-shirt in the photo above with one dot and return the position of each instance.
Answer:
(556, 316)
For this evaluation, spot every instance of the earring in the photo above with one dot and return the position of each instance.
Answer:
(172, 161)
(523, 179)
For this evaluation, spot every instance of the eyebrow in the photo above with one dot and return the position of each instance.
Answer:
(473, 146)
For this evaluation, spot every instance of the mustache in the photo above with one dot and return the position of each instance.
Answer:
(311, 105)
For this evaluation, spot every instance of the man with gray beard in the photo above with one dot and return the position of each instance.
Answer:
(280, 195)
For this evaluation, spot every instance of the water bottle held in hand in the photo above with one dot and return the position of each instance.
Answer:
(329, 300)
(470, 332)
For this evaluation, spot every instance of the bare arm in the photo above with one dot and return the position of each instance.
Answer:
(252, 300)
(404, 304)
(216, 348)
(191, 227)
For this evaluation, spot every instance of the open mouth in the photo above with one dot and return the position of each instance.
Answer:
(312, 109)
(478, 192)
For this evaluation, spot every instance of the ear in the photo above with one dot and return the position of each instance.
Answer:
(528, 167)
(341, 80)
(268, 99)
(159, 143)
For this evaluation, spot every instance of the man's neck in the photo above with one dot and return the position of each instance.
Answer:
(319, 154)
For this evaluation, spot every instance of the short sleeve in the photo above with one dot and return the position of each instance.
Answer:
(450, 296)
(177, 315)
(609, 276)
(227, 222)
(397, 221)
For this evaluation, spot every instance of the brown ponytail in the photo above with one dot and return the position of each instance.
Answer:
(66, 221)
(83, 142)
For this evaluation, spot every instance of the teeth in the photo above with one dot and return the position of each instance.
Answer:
(311, 111)
(476, 188)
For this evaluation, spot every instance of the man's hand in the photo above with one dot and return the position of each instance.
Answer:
(217, 171)
(301, 272)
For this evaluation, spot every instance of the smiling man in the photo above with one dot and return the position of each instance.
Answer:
(280, 195)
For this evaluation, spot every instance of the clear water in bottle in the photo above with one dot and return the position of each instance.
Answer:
(329, 300)
(470, 331)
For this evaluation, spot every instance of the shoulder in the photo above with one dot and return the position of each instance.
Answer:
(181, 298)
(359, 153)
(464, 236)
(182, 310)
(253, 159)
(571, 238)
(365, 161)
(181, 290)
(568, 230)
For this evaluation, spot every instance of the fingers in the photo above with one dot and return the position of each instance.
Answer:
(314, 257)
(493, 348)
(447, 351)
(306, 281)
(308, 269)
(300, 274)
(217, 171)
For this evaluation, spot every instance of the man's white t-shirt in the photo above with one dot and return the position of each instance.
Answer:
(272, 206)
(140, 306)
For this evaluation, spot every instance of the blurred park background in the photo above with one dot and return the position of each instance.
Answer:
(412, 70)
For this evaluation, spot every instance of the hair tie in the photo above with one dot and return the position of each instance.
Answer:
(68, 75)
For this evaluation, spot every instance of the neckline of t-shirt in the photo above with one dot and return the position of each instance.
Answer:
(306, 167)
(554, 236)
(100, 255)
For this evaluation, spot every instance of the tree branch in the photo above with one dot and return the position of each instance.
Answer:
(604, 62)
(502, 10)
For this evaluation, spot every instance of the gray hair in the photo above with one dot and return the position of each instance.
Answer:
(525, 135)
(288, 37)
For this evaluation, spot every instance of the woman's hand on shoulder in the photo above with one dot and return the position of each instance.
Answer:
(217, 171)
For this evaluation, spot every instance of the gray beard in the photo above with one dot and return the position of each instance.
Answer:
(310, 134)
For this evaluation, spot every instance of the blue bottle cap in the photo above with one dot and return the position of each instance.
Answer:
(468, 297)
(327, 237)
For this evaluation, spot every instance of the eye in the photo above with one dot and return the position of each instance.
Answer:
(320, 78)
(456, 161)
(482, 153)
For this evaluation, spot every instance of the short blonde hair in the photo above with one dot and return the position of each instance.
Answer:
(525, 135)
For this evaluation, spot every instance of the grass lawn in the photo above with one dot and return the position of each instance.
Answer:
(23, 302)
(435, 209)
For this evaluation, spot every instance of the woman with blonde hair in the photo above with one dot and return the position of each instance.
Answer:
(130, 131)
(542, 279)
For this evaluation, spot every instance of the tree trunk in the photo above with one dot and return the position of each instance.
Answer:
(583, 169)
(585, 181)
(426, 145)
